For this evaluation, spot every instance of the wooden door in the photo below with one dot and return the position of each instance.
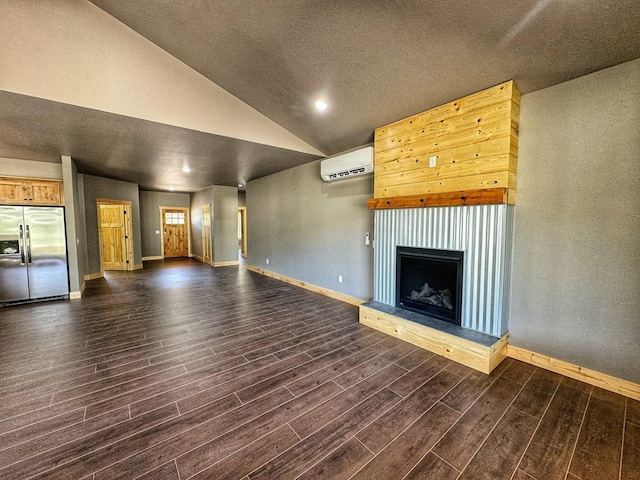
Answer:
(113, 232)
(206, 233)
(176, 239)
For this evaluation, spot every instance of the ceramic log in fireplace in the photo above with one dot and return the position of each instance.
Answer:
(429, 281)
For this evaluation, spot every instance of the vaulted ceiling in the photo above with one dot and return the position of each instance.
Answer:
(137, 90)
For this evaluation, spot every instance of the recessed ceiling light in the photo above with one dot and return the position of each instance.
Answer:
(171, 188)
(240, 185)
(321, 105)
(186, 169)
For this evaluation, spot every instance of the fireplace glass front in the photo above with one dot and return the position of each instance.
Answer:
(429, 281)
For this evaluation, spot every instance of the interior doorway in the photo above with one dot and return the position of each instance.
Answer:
(206, 232)
(175, 232)
(242, 231)
(115, 235)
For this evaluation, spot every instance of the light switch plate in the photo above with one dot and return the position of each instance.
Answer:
(432, 161)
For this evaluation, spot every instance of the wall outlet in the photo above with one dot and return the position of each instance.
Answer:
(267, 261)
(432, 161)
(157, 232)
(340, 278)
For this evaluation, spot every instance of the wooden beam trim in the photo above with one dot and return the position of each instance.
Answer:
(489, 196)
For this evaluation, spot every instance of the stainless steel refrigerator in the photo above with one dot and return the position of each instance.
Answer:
(33, 253)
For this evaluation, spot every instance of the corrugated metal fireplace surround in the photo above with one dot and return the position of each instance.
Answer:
(483, 232)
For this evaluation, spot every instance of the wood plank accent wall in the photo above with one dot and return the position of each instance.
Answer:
(474, 140)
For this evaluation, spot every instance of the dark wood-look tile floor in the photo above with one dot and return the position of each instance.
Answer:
(183, 371)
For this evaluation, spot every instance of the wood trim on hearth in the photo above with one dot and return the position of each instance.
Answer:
(467, 352)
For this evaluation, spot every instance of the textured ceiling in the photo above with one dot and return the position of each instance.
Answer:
(374, 61)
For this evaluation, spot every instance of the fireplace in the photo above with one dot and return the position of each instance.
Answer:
(463, 253)
(429, 281)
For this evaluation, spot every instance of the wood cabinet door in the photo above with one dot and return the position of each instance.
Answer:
(45, 193)
(12, 191)
(113, 237)
(24, 191)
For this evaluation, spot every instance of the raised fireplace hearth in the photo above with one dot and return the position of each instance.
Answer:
(455, 301)
(474, 349)
(429, 281)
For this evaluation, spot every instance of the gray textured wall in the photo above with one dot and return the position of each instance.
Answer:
(150, 203)
(76, 240)
(82, 225)
(576, 269)
(12, 167)
(225, 223)
(105, 188)
(197, 200)
(311, 230)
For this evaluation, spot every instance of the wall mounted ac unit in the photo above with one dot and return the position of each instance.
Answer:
(347, 165)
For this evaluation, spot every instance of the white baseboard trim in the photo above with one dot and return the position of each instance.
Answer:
(153, 257)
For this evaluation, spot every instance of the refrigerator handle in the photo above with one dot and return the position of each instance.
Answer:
(22, 246)
(28, 242)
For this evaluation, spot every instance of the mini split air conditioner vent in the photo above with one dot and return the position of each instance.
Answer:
(346, 173)
(347, 165)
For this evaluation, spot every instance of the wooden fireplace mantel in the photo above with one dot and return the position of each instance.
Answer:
(488, 196)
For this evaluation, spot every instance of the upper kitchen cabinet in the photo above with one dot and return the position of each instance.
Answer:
(30, 191)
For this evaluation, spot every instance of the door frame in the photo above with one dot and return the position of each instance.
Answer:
(243, 227)
(128, 227)
(187, 223)
(204, 258)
